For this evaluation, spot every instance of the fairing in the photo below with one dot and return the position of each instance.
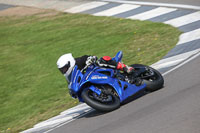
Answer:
(95, 75)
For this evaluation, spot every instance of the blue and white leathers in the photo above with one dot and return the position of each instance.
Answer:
(95, 75)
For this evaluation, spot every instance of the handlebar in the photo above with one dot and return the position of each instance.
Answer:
(87, 65)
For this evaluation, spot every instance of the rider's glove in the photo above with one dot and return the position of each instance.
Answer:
(90, 60)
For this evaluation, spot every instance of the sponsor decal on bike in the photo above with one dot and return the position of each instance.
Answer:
(99, 77)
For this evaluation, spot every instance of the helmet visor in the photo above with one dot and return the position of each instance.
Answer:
(64, 69)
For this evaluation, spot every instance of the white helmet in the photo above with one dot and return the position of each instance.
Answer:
(66, 63)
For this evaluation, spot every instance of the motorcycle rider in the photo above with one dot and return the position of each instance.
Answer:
(67, 62)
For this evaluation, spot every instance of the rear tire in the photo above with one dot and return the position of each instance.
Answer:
(103, 107)
(154, 83)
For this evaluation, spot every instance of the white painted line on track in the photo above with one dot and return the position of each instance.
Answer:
(183, 20)
(69, 121)
(168, 64)
(117, 10)
(85, 7)
(174, 60)
(152, 13)
(155, 4)
(64, 117)
(55, 122)
(183, 63)
(189, 36)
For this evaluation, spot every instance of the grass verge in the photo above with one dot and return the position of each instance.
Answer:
(31, 87)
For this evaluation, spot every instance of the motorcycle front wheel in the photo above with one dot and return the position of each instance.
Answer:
(104, 103)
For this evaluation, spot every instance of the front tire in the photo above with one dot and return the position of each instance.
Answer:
(87, 96)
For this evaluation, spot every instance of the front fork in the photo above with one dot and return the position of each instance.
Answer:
(95, 89)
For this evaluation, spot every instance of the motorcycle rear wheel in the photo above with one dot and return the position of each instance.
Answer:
(88, 97)
(154, 83)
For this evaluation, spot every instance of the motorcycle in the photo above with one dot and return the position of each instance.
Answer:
(104, 89)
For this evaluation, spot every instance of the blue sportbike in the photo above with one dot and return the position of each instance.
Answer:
(104, 89)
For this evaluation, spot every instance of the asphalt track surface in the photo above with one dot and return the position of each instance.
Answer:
(186, 2)
(4, 6)
(173, 109)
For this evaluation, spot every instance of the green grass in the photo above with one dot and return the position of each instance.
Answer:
(31, 87)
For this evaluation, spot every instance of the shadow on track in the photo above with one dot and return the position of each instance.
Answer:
(95, 113)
